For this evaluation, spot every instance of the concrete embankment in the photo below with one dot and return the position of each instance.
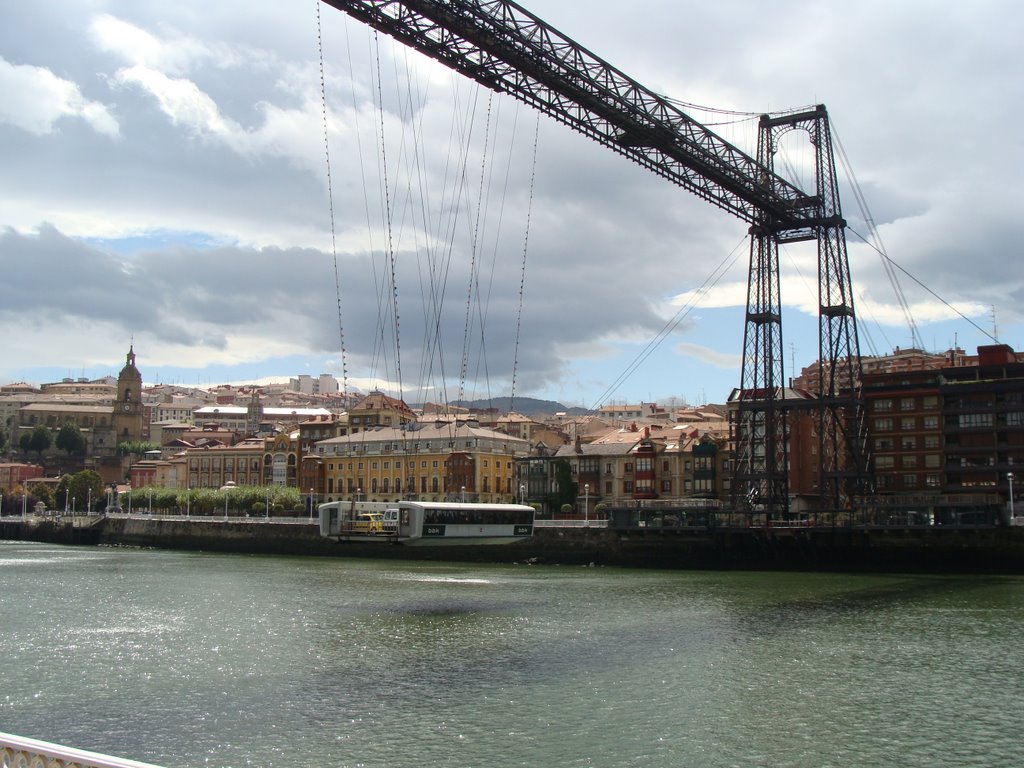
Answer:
(932, 549)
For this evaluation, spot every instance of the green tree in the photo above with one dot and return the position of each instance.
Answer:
(25, 442)
(41, 440)
(565, 488)
(71, 440)
(136, 447)
(85, 489)
(43, 493)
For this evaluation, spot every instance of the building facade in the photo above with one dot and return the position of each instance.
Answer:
(428, 462)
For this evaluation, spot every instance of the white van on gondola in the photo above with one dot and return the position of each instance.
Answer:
(430, 523)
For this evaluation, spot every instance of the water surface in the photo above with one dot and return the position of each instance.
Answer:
(189, 659)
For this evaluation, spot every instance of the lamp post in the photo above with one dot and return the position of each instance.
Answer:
(522, 494)
(188, 500)
(310, 503)
(586, 505)
(268, 503)
(463, 492)
(88, 501)
(225, 505)
(1009, 478)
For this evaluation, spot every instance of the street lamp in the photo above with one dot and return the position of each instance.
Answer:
(310, 503)
(522, 494)
(463, 491)
(586, 504)
(1009, 477)
(225, 505)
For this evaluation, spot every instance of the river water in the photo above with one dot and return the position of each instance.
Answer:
(191, 659)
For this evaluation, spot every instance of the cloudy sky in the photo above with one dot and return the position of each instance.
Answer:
(164, 182)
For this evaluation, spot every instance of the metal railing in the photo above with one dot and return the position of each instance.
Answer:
(599, 523)
(20, 752)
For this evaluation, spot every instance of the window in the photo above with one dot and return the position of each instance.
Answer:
(884, 462)
(883, 444)
(931, 422)
(931, 401)
(883, 425)
(666, 486)
(975, 420)
(931, 441)
(883, 405)
(909, 461)
(932, 460)
(627, 486)
(907, 404)
(908, 422)
(644, 465)
(908, 443)
(910, 481)
(628, 467)
(932, 481)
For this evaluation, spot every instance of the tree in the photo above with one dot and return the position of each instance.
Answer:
(25, 442)
(42, 493)
(41, 440)
(71, 440)
(85, 489)
(136, 447)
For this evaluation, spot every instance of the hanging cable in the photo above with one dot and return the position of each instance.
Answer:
(330, 202)
(710, 282)
(522, 268)
(390, 255)
(945, 303)
(876, 240)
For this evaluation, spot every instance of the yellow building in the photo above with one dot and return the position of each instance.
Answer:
(426, 461)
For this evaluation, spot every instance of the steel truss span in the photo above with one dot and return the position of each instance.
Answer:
(504, 47)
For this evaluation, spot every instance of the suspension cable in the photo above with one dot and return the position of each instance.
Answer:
(330, 202)
(709, 282)
(522, 268)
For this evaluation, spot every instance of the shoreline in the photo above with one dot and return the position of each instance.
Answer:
(988, 550)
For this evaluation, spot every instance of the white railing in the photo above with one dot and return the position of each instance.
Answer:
(19, 752)
(570, 523)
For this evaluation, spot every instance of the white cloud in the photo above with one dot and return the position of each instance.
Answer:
(35, 99)
(177, 54)
(182, 101)
(709, 356)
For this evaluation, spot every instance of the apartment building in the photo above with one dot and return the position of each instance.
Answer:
(427, 461)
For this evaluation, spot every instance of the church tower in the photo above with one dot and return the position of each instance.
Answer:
(128, 411)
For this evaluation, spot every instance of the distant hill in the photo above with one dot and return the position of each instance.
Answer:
(528, 406)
